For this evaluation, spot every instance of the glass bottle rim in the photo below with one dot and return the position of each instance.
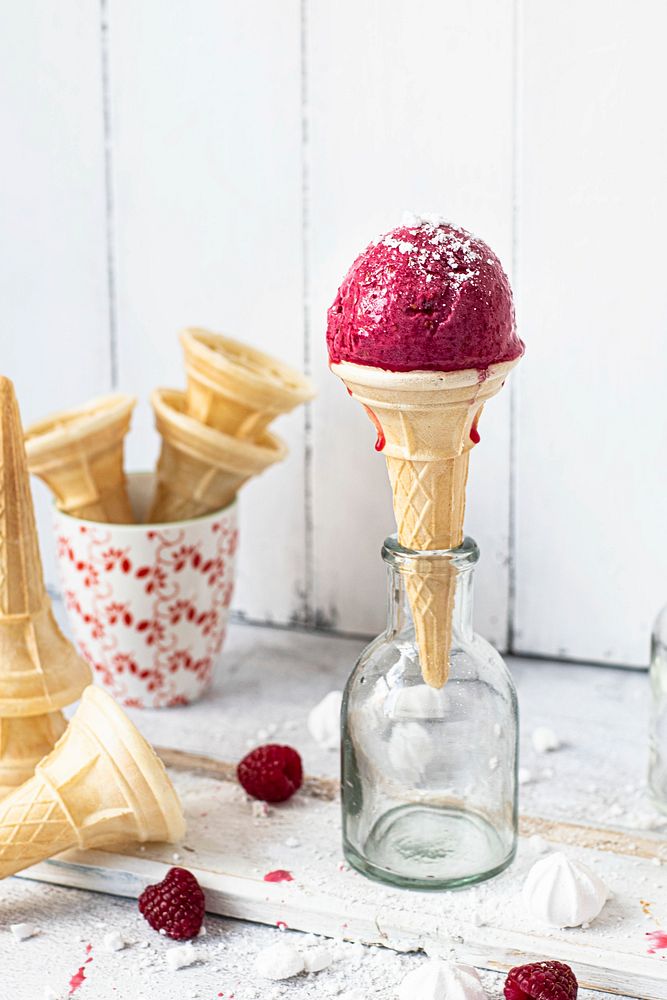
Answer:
(396, 555)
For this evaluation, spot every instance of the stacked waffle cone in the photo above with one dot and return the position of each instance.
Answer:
(96, 782)
(214, 436)
(428, 424)
(40, 671)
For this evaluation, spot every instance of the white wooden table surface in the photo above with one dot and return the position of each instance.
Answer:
(268, 681)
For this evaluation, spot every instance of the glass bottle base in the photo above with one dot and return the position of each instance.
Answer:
(428, 847)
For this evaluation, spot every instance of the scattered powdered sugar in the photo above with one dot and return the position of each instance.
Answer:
(444, 243)
(412, 220)
(536, 844)
(525, 776)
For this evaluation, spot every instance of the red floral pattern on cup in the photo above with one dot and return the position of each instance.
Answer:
(149, 606)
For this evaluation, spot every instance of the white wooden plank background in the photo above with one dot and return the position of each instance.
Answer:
(206, 147)
(253, 151)
(399, 119)
(54, 331)
(592, 427)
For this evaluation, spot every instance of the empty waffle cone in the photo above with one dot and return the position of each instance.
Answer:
(101, 785)
(23, 743)
(238, 389)
(79, 455)
(200, 469)
(40, 671)
(427, 424)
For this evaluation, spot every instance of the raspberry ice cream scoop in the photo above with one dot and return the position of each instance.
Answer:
(428, 296)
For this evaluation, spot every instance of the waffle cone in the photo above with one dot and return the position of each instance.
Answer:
(237, 389)
(201, 469)
(426, 424)
(79, 455)
(101, 785)
(40, 671)
(23, 743)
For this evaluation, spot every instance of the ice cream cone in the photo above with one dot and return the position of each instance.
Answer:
(200, 469)
(40, 671)
(23, 743)
(237, 389)
(427, 423)
(79, 455)
(101, 785)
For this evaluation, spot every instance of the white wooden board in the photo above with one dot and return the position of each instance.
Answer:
(409, 107)
(592, 423)
(206, 126)
(230, 848)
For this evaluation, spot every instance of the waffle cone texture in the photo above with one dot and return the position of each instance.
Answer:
(79, 455)
(23, 743)
(428, 422)
(102, 785)
(40, 671)
(200, 468)
(235, 388)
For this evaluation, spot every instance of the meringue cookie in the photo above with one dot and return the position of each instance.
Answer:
(279, 961)
(410, 751)
(440, 980)
(317, 958)
(181, 957)
(418, 703)
(21, 932)
(324, 721)
(563, 893)
(114, 941)
(545, 740)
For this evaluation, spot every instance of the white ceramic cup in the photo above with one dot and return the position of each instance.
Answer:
(149, 603)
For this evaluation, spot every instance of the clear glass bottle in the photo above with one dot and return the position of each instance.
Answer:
(429, 786)
(657, 772)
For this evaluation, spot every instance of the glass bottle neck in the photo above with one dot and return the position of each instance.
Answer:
(448, 575)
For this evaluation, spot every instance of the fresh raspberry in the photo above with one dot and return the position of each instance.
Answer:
(271, 773)
(175, 905)
(541, 981)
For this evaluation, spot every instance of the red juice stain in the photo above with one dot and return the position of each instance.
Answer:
(79, 977)
(657, 941)
(77, 980)
(349, 391)
(381, 441)
(281, 925)
(474, 433)
(279, 875)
